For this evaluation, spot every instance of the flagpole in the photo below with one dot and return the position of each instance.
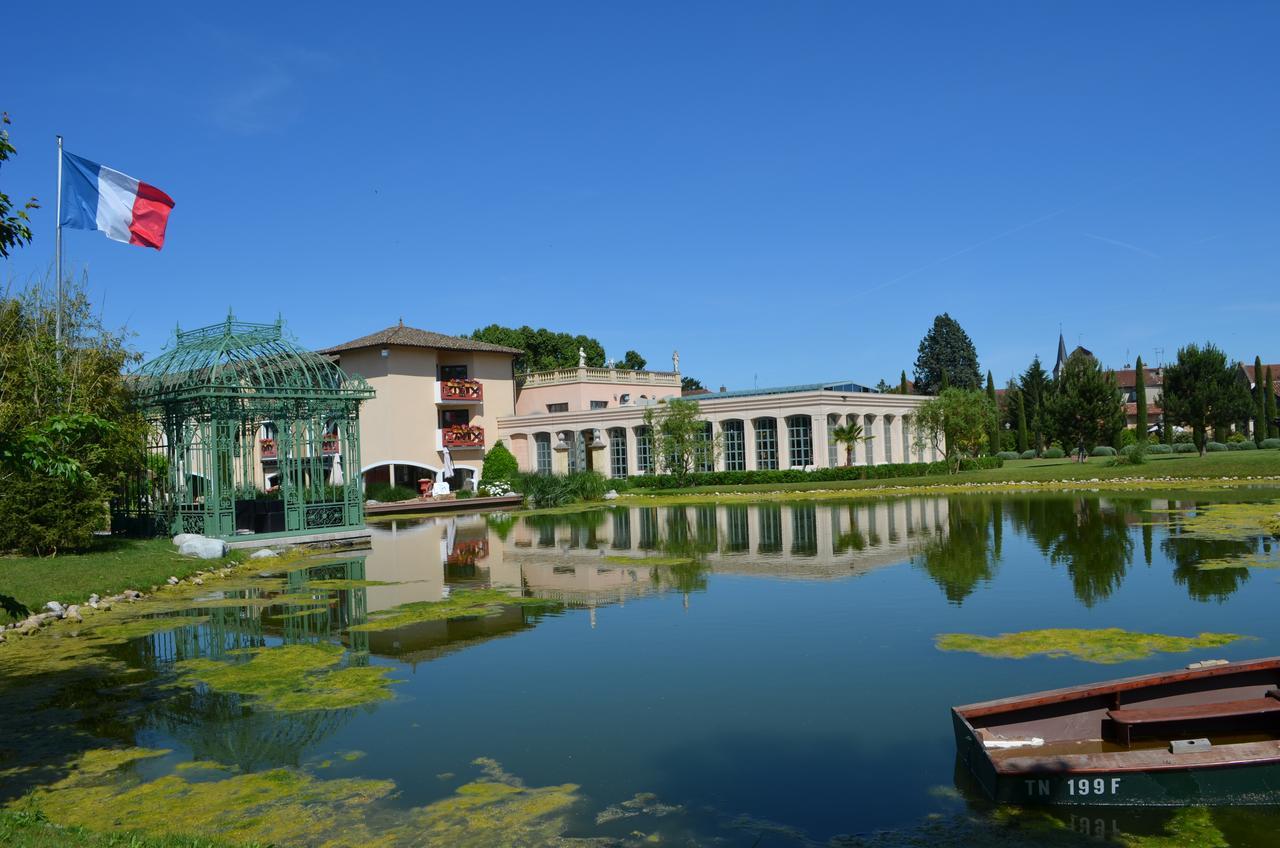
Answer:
(57, 327)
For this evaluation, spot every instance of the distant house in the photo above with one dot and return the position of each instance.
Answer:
(1153, 379)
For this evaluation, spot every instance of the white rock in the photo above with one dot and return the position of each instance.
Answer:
(173, 581)
(104, 605)
(56, 608)
(198, 582)
(264, 553)
(182, 538)
(610, 495)
(73, 613)
(94, 598)
(204, 548)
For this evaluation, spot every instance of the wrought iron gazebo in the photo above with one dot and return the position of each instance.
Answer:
(250, 434)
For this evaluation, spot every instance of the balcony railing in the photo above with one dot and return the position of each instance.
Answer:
(561, 376)
(465, 390)
(463, 436)
(329, 445)
(268, 448)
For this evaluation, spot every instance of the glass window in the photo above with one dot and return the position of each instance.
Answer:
(644, 450)
(557, 407)
(453, 372)
(770, 529)
(800, 440)
(542, 452)
(618, 453)
(766, 443)
(450, 417)
(648, 528)
(599, 404)
(705, 456)
(736, 533)
(804, 530)
(622, 529)
(735, 448)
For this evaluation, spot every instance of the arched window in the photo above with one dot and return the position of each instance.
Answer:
(800, 440)
(618, 453)
(644, 450)
(705, 454)
(542, 453)
(766, 442)
(735, 446)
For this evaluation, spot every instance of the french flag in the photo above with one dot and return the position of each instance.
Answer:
(95, 197)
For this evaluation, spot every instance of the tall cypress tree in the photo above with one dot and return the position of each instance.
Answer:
(993, 435)
(903, 388)
(1260, 388)
(1168, 429)
(1140, 398)
(1269, 396)
(1022, 423)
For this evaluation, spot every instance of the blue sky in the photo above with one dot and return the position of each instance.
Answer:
(784, 192)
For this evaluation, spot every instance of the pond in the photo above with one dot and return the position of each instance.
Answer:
(770, 674)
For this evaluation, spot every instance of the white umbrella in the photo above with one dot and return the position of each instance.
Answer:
(448, 464)
(335, 472)
(450, 535)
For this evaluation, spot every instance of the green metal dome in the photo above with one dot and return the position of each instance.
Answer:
(235, 358)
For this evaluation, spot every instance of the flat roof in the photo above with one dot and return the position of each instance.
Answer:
(843, 386)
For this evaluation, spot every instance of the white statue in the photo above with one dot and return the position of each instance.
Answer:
(675, 361)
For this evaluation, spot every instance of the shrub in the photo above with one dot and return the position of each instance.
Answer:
(1159, 448)
(387, 493)
(1184, 447)
(1054, 453)
(548, 490)
(499, 464)
(1182, 437)
(1270, 444)
(588, 485)
(495, 489)
(1239, 446)
(1235, 438)
(1214, 447)
(1135, 454)
(42, 515)
(1008, 455)
(1028, 454)
(1127, 437)
(1104, 450)
(844, 472)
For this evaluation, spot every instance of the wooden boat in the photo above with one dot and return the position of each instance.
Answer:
(1208, 734)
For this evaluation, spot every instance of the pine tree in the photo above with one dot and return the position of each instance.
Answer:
(1140, 398)
(993, 435)
(903, 388)
(1036, 387)
(1273, 430)
(1260, 388)
(946, 358)
(1022, 424)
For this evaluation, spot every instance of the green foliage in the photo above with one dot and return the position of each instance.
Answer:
(499, 464)
(1140, 396)
(1201, 391)
(1023, 438)
(1008, 455)
(1036, 386)
(1239, 446)
(544, 349)
(69, 432)
(1128, 437)
(1103, 450)
(1214, 447)
(680, 442)
(1260, 389)
(1085, 408)
(15, 229)
(1273, 429)
(959, 420)
(1160, 447)
(1135, 454)
(1053, 453)
(1185, 447)
(886, 471)
(993, 432)
(1028, 454)
(386, 493)
(904, 388)
(543, 491)
(691, 384)
(946, 357)
(632, 361)
(1270, 444)
(849, 436)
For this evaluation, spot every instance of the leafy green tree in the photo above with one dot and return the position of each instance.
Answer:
(993, 437)
(15, 225)
(632, 361)
(957, 420)
(1260, 389)
(1140, 398)
(544, 350)
(1201, 391)
(849, 435)
(961, 559)
(1273, 429)
(681, 441)
(1036, 387)
(1022, 423)
(904, 388)
(691, 384)
(946, 358)
(499, 464)
(1085, 408)
(884, 388)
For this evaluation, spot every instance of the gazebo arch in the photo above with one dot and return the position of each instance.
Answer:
(206, 398)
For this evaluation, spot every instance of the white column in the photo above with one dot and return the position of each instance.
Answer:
(784, 448)
(749, 442)
(875, 448)
(821, 444)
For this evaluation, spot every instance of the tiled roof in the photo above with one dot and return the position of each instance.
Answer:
(413, 337)
(1128, 376)
(1248, 372)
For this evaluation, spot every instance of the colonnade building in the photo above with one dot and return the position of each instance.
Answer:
(780, 428)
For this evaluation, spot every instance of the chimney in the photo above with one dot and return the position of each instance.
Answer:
(723, 389)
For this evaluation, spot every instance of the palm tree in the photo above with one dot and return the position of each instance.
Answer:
(849, 435)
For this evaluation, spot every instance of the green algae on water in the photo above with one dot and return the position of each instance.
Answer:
(138, 627)
(470, 603)
(290, 678)
(1107, 646)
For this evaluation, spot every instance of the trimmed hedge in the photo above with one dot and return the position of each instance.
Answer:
(818, 475)
(1054, 453)
(1104, 450)
(1010, 454)
(1214, 447)
(1028, 454)
(1271, 444)
(1239, 446)
(1184, 447)
(1159, 448)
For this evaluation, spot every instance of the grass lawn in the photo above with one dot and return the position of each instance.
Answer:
(1260, 463)
(25, 830)
(115, 565)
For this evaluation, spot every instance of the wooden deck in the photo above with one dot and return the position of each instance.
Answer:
(430, 506)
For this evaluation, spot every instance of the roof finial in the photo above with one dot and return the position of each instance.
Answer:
(401, 320)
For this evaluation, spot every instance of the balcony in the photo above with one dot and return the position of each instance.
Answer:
(329, 445)
(463, 436)
(460, 390)
(267, 447)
